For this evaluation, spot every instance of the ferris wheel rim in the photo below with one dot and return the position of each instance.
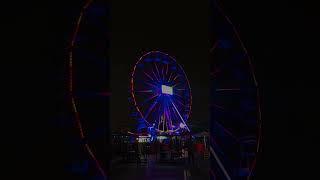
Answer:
(132, 91)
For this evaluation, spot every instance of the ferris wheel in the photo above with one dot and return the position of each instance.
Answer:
(235, 107)
(161, 93)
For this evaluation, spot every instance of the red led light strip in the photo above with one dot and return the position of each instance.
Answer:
(71, 94)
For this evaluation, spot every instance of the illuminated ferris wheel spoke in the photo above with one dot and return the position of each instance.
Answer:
(147, 100)
(177, 95)
(163, 74)
(220, 163)
(164, 117)
(167, 77)
(180, 102)
(180, 89)
(167, 69)
(169, 123)
(152, 106)
(156, 73)
(175, 77)
(150, 84)
(168, 80)
(172, 113)
(158, 117)
(228, 132)
(155, 76)
(176, 85)
(168, 112)
(144, 91)
(164, 123)
(151, 78)
(177, 98)
(175, 108)
(159, 76)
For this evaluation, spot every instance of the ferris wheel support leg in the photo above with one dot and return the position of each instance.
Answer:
(180, 116)
(220, 164)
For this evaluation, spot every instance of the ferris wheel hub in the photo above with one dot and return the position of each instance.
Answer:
(166, 90)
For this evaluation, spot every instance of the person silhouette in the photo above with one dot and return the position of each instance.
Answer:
(190, 148)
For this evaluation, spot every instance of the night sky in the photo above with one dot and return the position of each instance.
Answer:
(182, 34)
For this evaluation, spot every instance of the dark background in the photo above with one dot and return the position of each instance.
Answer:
(282, 37)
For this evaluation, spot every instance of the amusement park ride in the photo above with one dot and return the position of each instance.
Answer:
(161, 94)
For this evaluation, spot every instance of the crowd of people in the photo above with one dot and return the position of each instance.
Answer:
(168, 149)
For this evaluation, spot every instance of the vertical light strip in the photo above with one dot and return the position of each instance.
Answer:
(220, 164)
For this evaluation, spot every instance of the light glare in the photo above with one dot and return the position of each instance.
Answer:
(166, 90)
